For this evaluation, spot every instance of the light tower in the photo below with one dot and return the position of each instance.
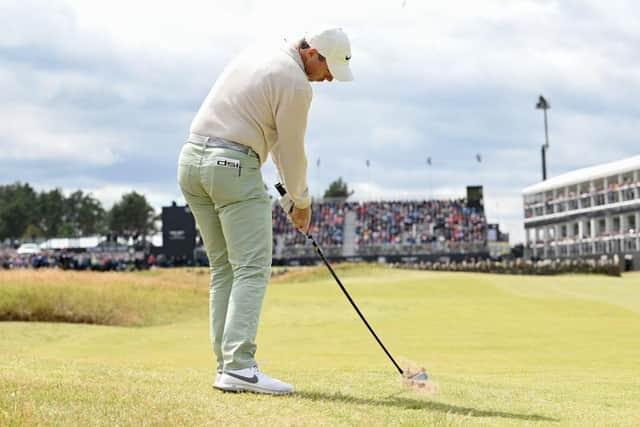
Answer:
(544, 106)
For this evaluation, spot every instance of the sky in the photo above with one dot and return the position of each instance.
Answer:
(99, 96)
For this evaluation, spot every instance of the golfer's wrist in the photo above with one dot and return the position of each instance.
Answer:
(303, 204)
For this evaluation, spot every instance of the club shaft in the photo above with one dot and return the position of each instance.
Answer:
(353, 304)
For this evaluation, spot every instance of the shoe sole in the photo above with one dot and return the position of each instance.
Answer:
(237, 388)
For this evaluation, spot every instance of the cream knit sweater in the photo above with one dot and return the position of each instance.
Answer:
(262, 100)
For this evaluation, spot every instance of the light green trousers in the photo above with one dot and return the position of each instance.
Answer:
(233, 212)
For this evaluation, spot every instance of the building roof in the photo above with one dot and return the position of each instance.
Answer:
(585, 174)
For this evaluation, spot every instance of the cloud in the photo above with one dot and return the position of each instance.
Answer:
(102, 93)
(366, 190)
(110, 194)
(394, 136)
(33, 134)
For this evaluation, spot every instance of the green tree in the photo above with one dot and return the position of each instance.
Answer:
(32, 232)
(48, 214)
(18, 209)
(51, 212)
(338, 189)
(132, 216)
(67, 230)
(85, 214)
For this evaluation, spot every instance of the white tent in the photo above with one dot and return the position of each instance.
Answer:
(77, 243)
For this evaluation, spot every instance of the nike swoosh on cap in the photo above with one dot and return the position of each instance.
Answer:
(252, 380)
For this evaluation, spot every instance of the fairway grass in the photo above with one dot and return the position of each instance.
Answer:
(504, 350)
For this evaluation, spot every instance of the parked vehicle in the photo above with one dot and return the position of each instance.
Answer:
(29, 249)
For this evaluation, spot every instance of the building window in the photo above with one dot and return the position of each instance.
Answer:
(548, 208)
(614, 245)
(630, 244)
(628, 194)
(616, 225)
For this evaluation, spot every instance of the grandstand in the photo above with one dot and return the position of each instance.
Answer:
(586, 213)
(381, 231)
(384, 230)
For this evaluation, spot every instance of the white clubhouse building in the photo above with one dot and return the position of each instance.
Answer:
(586, 212)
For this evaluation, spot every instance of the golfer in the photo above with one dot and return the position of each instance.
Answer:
(258, 105)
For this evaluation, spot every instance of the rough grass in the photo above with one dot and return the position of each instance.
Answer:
(124, 299)
(504, 350)
(119, 299)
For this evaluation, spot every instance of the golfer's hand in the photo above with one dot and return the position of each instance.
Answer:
(301, 218)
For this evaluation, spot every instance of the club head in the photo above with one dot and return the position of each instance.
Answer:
(419, 382)
(420, 376)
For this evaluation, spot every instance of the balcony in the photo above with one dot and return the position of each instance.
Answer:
(597, 197)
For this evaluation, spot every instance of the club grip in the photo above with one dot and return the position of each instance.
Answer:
(281, 189)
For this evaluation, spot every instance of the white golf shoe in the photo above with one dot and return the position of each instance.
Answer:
(251, 379)
(217, 380)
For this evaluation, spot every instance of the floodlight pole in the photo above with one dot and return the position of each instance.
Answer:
(544, 106)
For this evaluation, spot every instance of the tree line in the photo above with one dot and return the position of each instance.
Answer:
(26, 214)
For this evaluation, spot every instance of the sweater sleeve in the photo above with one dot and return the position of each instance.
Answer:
(288, 152)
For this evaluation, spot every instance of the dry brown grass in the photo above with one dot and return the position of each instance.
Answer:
(125, 299)
(119, 298)
(191, 278)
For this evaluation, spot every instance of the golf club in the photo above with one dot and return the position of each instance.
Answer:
(287, 205)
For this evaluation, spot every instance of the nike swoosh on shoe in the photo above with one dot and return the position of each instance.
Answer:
(252, 380)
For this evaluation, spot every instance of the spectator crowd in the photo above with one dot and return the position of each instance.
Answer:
(607, 266)
(387, 227)
(87, 261)
(376, 228)
(327, 224)
(408, 222)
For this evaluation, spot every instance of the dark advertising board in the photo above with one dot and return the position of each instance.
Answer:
(178, 232)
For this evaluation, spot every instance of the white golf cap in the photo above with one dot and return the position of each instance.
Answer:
(334, 45)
